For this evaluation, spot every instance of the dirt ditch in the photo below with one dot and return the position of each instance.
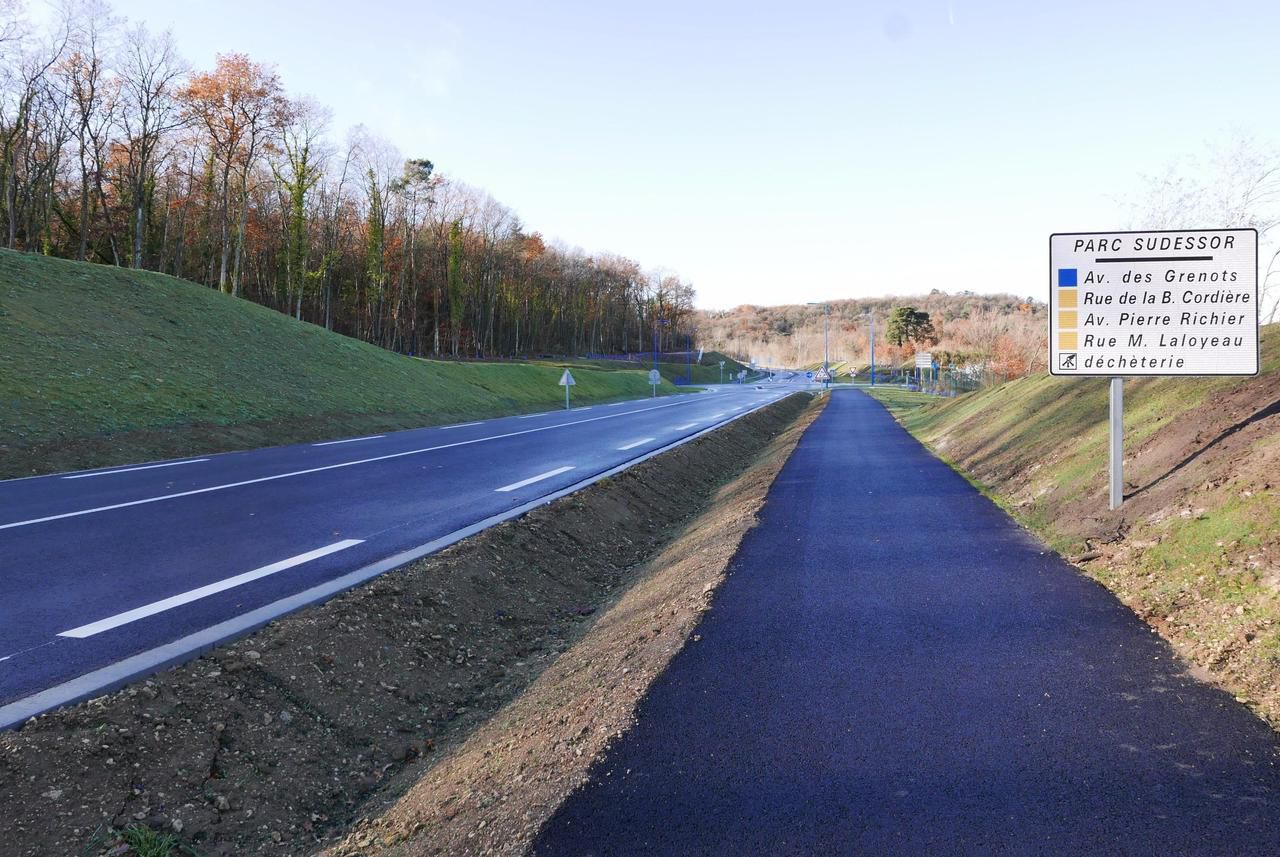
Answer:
(368, 706)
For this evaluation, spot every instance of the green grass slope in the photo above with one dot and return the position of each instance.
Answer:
(1195, 549)
(103, 365)
(706, 372)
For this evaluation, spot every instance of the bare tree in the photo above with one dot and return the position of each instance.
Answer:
(92, 93)
(298, 167)
(22, 121)
(1236, 184)
(150, 76)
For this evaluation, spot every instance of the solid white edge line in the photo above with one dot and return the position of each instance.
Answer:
(349, 440)
(112, 676)
(685, 426)
(460, 425)
(187, 597)
(195, 491)
(532, 479)
(635, 443)
(132, 469)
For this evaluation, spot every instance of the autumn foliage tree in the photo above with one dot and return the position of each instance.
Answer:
(240, 109)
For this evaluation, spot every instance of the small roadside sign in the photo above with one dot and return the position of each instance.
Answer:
(1181, 302)
(808, 376)
(655, 378)
(566, 381)
(924, 360)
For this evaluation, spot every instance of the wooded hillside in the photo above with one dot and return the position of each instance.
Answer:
(997, 333)
(113, 150)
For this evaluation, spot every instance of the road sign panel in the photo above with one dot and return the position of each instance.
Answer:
(924, 360)
(1177, 302)
(566, 380)
(808, 376)
(655, 377)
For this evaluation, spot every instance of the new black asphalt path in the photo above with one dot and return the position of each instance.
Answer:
(894, 667)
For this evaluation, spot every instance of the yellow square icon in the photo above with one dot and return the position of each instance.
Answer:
(1068, 341)
(1069, 319)
(1067, 298)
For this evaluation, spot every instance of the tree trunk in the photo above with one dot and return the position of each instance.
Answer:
(84, 210)
(226, 229)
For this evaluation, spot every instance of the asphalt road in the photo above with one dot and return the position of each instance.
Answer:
(100, 566)
(894, 667)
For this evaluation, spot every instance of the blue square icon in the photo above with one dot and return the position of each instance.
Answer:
(1067, 277)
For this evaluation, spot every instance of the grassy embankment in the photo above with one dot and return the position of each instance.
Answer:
(1195, 549)
(706, 372)
(104, 365)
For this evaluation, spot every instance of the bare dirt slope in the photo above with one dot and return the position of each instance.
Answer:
(275, 744)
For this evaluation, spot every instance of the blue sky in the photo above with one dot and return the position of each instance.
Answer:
(776, 153)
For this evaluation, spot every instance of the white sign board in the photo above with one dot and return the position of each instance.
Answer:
(1177, 302)
(655, 378)
(924, 360)
(566, 380)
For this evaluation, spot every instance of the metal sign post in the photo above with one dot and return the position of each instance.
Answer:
(873, 350)
(566, 381)
(1117, 443)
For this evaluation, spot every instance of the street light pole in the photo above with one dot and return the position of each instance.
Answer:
(826, 354)
(871, 318)
(873, 350)
(688, 345)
